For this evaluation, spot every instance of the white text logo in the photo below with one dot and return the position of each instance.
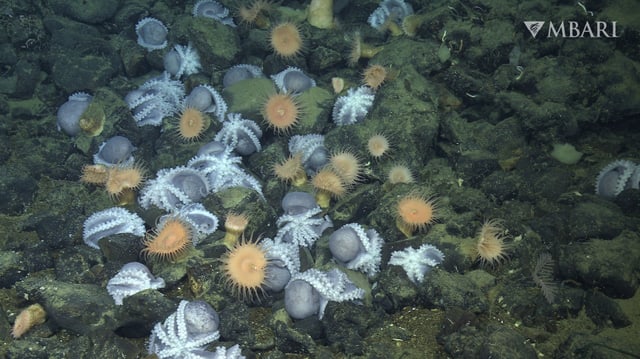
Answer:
(575, 29)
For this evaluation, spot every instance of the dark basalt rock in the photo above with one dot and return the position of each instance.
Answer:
(606, 264)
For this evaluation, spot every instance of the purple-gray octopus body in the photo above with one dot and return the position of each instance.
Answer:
(212, 170)
(293, 80)
(311, 147)
(283, 262)
(132, 278)
(616, 177)
(222, 168)
(353, 107)
(309, 292)
(152, 34)
(241, 72)
(69, 113)
(240, 134)
(182, 61)
(156, 99)
(357, 248)
(213, 10)
(186, 332)
(206, 99)
(301, 224)
(111, 221)
(174, 188)
(117, 150)
(417, 262)
(389, 10)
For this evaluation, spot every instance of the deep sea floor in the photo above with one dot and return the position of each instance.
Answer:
(502, 221)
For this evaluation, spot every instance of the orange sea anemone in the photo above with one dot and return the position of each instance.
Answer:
(291, 170)
(123, 178)
(119, 181)
(327, 184)
(286, 40)
(234, 226)
(245, 268)
(374, 75)
(490, 247)
(169, 240)
(415, 212)
(378, 145)
(192, 123)
(400, 174)
(281, 112)
(255, 13)
(346, 165)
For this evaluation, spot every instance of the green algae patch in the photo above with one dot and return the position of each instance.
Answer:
(248, 96)
(315, 103)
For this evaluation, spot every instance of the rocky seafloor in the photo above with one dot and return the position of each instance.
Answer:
(476, 125)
